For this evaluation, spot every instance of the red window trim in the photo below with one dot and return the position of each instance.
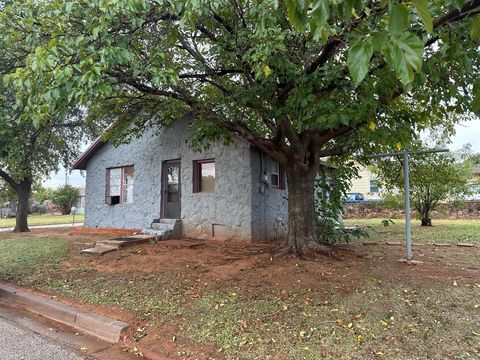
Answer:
(197, 170)
(122, 181)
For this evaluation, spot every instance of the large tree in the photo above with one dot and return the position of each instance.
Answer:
(29, 153)
(301, 80)
(29, 150)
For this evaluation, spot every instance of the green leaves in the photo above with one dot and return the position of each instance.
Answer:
(359, 59)
(422, 9)
(476, 98)
(404, 53)
(399, 19)
(297, 14)
(475, 29)
(312, 16)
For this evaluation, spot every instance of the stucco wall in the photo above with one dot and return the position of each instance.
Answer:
(229, 205)
(269, 205)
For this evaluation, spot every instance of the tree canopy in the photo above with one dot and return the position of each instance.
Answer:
(31, 150)
(301, 80)
(65, 197)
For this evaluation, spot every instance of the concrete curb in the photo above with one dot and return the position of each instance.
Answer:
(87, 322)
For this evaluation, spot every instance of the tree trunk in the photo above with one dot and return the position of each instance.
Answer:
(23, 193)
(302, 237)
(425, 215)
(426, 221)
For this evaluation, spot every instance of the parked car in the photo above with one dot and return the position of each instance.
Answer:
(355, 197)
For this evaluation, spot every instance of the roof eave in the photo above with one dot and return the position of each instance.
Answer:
(81, 162)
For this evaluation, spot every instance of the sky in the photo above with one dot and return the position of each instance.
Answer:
(466, 132)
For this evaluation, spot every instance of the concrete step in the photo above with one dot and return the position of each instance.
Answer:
(99, 250)
(162, 226)
(126, 241)
(158, 233)
(167, 221)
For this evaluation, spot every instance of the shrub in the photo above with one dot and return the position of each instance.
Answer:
(65, 197)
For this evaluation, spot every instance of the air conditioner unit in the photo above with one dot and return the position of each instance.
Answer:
(108, 200)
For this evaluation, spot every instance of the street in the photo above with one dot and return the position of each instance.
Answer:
(18, 343)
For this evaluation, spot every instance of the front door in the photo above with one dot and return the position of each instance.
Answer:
(171, 189)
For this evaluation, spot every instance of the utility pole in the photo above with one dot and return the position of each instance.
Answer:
(406, 175)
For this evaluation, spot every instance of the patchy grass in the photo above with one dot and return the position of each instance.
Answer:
(44, 220)
(236, 301)
(22, 259)
(442, 231)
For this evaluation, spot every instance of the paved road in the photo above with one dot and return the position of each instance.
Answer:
(44, 226)
(17, 343)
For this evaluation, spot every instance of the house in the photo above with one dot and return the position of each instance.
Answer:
(476, 175)
(474, 185)
(227, 191)
(80, 204)
(366, 183)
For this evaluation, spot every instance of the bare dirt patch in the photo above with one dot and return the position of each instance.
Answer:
(191, 299)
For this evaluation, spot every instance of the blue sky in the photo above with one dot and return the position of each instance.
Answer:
(466, 132)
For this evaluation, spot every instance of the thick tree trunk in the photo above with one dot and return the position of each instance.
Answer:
(302, 237)
(23, 193)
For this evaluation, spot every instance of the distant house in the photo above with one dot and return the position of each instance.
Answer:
(366, 183)
(476, 174)
(80, 205)
(475, 185)
(227, 191)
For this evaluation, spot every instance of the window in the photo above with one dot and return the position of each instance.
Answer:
(374, 186)
(277, 177)
(119, 185)
(204, 176)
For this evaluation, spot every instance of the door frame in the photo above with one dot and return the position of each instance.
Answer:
(163, 197)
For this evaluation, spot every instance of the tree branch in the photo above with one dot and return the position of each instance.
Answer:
(327, 51)
(9, 180)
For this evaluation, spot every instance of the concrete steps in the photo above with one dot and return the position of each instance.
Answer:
(106, 246)
(164, 229)
(99, 250)
(160, 229)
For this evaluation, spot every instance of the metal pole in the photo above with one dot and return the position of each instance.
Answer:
(408, 228)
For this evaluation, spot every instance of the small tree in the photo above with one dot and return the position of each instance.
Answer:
(65, 197)
(433, 178)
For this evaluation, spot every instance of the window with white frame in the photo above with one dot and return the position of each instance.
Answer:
(277, 175)
(374, 186)
(119, 185)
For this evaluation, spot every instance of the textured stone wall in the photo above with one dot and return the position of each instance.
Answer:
(230, 205)
(269, 205)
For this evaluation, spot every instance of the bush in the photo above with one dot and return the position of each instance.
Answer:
(37, 208)
(49, 207)
(65, 197)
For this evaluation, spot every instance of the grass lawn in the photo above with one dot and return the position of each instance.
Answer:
(234, 300)
(43, 220)
(442, 231)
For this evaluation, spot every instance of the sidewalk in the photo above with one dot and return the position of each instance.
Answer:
(6, 229)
